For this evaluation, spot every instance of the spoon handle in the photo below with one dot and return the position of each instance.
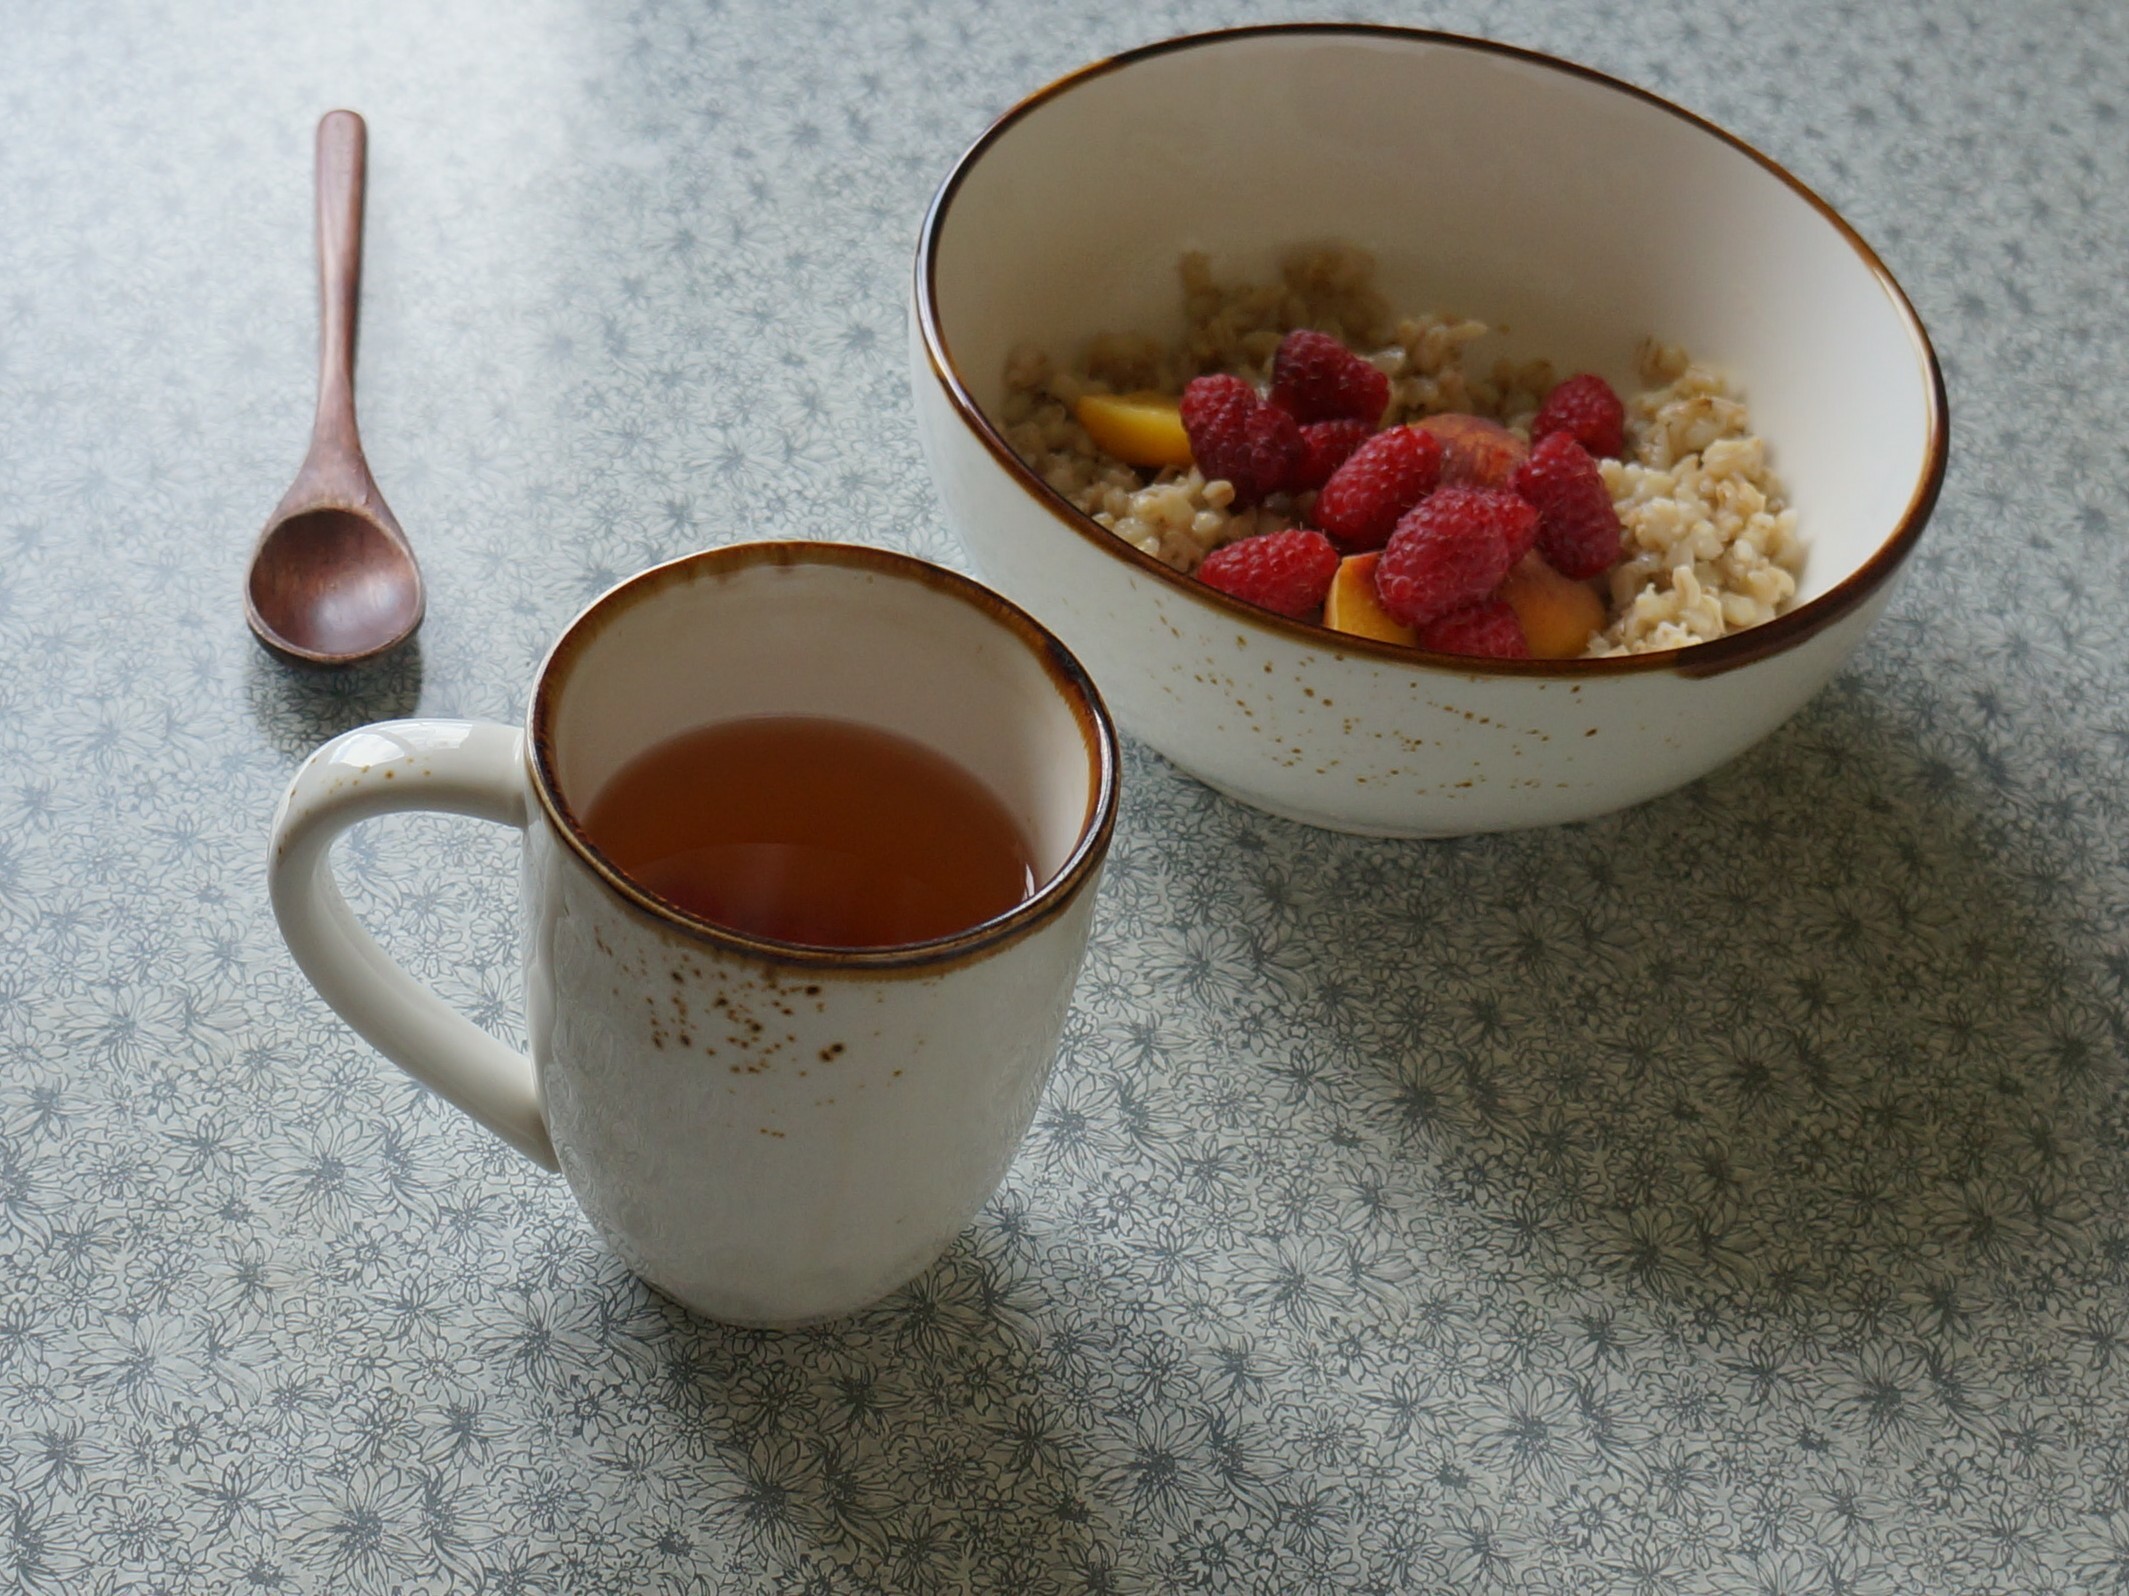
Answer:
(343, 159)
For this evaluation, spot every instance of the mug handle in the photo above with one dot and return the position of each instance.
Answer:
(461, 767)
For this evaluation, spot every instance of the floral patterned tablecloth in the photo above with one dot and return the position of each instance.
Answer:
(1727, 1195)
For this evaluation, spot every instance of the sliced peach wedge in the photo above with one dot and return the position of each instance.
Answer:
(1141, 429)
(1351, 605)
(1559, 614)
(1476, 452)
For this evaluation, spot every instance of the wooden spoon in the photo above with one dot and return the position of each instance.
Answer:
(333, 579)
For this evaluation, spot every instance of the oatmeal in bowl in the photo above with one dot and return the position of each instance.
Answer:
(1154, 306)
(1699, 540)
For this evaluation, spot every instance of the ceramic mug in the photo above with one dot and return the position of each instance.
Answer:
(772, 1134)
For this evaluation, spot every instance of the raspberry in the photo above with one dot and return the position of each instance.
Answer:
(1286, 571)
(1489, 628)
(1587, 410)
(1385, 477)
(1234, 434)
(1330, 444)
(1521, 534)
(1578, 530)
(1314, 377)
(1450, 550)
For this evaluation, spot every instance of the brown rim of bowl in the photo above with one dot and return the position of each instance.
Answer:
(1698, 659)
(1070, 678)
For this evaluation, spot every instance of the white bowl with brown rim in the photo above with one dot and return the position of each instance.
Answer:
(1579, 214)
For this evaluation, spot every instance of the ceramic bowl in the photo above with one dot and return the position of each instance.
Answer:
(1576, 212)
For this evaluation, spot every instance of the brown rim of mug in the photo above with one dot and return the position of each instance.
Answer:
(915, 958)
(1698, 659)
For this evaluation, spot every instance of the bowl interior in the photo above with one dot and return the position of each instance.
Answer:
(1572, 215)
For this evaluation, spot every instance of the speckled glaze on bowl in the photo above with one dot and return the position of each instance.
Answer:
(1573, 212)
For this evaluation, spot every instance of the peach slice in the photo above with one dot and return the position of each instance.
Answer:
(1141, 429)
(1476, 452)
(1351, 605)
(1559, 614)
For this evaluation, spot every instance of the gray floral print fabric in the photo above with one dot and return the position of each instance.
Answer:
(1726, 1195)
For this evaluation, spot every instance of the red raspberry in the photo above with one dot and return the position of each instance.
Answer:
(1314, 377)
(1330, 444)
(1522, 534)
(1488, 628)
(1587, 410)
(1235, 435)
(1578, 530)
(1385, 477)
(1286, 571)
(1450, 550)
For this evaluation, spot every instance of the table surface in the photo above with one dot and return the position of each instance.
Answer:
(1727, 1195)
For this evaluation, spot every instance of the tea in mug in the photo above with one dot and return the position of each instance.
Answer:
(809, 829)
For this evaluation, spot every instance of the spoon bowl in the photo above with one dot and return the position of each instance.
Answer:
(336, 582)
(333, 580)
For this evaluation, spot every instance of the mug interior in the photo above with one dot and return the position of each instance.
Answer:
(837, 630)
(1571, 213)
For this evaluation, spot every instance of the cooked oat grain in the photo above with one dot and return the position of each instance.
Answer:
(1711, 547)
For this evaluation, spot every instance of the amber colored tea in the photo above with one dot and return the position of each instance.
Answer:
(813, 830)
